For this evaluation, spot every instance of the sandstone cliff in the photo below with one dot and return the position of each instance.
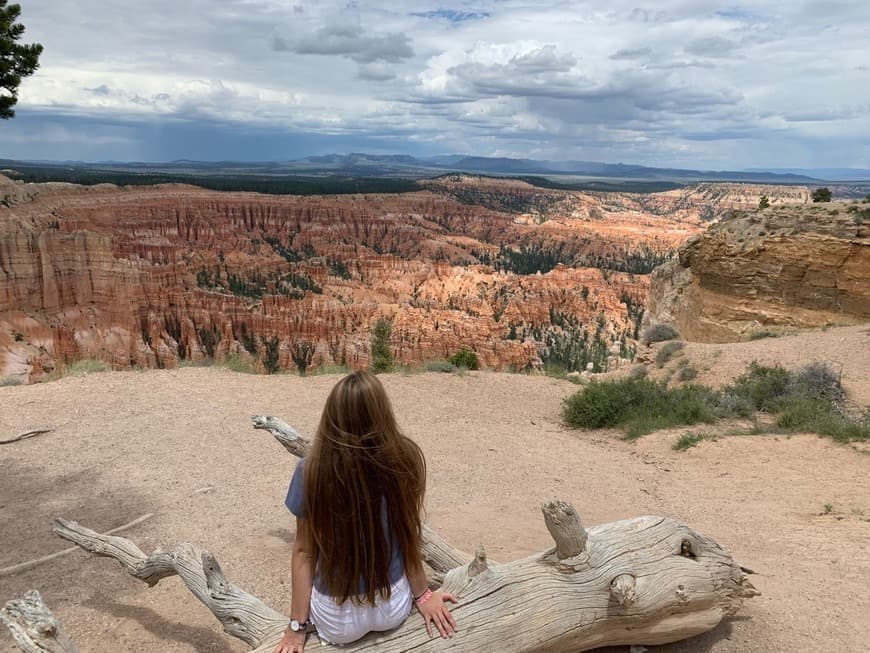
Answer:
(788, 266)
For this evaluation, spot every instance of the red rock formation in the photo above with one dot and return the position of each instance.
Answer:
(147, 276)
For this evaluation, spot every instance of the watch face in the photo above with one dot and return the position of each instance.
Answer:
(294, 626)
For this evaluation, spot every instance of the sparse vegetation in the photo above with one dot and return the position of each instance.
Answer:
(17, 337)
(441, 366)
(659, 333)
(688, 440)
(821, 195)
(86, 366)
(668, 352)
(382, 356)
(465, 358)
(7, 381)
(761, 334)
(238, 363)
(807, 399)
(763, 202)
(828, 508)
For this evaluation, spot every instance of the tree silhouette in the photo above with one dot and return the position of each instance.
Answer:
(17, 60)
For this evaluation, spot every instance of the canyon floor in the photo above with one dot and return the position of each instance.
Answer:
(179, 444)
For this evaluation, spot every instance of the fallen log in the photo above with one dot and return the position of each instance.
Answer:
(642, 581)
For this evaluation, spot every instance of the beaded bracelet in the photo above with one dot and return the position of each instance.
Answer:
(425, 596)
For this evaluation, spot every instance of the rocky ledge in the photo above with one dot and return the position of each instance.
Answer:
(785, 267)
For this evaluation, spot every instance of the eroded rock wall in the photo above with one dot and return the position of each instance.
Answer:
(790, 266)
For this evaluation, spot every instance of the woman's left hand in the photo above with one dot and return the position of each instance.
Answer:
(434, 611)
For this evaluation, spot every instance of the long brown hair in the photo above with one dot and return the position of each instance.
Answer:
(360, 462)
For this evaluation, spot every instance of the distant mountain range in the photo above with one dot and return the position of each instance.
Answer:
(405, 166)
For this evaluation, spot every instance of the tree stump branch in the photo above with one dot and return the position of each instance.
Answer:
(33, 626)
(242, 615)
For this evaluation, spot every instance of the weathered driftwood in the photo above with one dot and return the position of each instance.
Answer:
(242, 615)
(30, 564)
(648, 580)
(34, 627)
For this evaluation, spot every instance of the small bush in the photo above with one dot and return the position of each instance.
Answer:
(659, 333)
(667, 352)
(816, 381)
(8, 381)
(638, 372)
(687, 373)
(688, 440)
(86, 366)
(465, 358)
(441, 366)
(761, 334)
(763, 387)
(237, 363)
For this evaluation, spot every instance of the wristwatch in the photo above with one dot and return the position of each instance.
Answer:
(298, 626)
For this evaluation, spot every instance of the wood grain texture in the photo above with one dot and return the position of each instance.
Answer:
(33, 626)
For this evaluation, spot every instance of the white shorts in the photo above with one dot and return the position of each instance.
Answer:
(346, 623)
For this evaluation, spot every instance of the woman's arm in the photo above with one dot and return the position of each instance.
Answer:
(432, 605)
(302, 580)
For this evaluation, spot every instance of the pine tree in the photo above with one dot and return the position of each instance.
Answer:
(17, 60)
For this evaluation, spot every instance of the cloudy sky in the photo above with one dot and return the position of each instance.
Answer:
(690, 83)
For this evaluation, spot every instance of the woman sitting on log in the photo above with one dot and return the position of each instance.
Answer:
(358, 498)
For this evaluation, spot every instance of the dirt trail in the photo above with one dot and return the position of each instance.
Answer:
(179, 444)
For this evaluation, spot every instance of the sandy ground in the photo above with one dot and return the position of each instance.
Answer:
(179, 444)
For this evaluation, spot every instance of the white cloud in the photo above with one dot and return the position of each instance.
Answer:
(693, 82)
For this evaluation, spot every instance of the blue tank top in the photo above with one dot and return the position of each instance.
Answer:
(295, 503)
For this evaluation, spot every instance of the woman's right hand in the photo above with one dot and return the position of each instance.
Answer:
(434, 611)
(292, 642)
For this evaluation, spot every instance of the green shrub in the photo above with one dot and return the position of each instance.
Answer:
(763, 387)
(639, 406)
(659, 333)
(441, 366)
(237, 363)
(7, 381)
(821, 195)
(667, 352)
(688, 440)
(465, 358)
(382, 357)
(86, 366)
(822, 417)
